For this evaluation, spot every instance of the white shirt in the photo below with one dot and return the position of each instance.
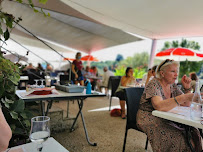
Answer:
(105, 78)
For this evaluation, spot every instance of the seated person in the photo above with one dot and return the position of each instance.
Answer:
(194, 78)
(5, 133)
(151, 74)
(105, 79)
(125, 80)
(29, 67)
(86, 72)
(162, 94)
(40, 68)
(94, 73)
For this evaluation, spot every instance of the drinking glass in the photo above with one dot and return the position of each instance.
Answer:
(40, 130)
(36, 83)
(42, 83)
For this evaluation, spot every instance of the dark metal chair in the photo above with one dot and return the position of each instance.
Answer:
(113, 83)
(133, 96)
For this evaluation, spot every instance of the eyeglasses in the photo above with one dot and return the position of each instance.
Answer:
(166, 61)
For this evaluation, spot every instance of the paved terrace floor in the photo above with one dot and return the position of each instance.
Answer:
(108, 132)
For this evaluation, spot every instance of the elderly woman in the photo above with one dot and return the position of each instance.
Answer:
(125, 80)
(162, 94)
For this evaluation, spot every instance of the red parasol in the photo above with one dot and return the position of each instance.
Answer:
(180, 54)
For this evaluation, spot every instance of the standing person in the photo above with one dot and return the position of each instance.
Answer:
(5, 132)
(125, 80)
(162, 94)
(77, 70)
(194, 78)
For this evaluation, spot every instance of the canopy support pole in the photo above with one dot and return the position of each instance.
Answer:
(152, 53)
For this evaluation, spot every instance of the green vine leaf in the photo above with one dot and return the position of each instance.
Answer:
(7, 105)
(18, 106)
(8, 101)
(27, 123)
(23, 114)
(6, 34)
(14, 114)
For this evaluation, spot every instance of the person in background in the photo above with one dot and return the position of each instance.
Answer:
(163, 94)
(86, 72)
(39, 67)
(144, 78)
(94, 73)
(151, 74)
(49, 68)
(105, 79)
(194, 78)
(77, 70)
(29, 67)
(128, 79)
(5, 132)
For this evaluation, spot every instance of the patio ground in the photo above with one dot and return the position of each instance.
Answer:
(108, 132)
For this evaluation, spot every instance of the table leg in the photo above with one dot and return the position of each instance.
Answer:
(80, 105)
(49, 105)
(42, 108)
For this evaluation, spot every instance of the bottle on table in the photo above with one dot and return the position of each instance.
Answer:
(89, 87)
(196, 106)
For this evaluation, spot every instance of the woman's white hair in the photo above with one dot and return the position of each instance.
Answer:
(163, 65)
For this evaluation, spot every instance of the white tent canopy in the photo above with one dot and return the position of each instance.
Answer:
(155, 19)
(63, 31)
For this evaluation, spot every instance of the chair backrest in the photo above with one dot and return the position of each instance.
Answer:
(133, 96)
(201, 89)
(114, 83)
(64, 79)
(35, 75)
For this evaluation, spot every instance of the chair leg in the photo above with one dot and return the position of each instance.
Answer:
(146, 145)
(110, 104)
(126, 132)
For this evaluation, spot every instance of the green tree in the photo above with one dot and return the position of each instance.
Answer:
(185, 66)
(138, 60)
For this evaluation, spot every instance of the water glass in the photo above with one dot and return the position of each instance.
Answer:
(196, 111)
(40, 130)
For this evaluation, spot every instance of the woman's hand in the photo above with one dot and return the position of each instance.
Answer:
(186, 82)
(76, 76)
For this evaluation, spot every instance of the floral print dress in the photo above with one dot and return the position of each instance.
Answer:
(164, 135)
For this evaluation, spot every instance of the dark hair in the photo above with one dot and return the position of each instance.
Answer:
(154, 68)
(193, 76)
(127, 70)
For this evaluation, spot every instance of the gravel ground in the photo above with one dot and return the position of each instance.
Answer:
(108, 132)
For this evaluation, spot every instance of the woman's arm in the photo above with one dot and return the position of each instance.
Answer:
(165, 105)
(5, 133)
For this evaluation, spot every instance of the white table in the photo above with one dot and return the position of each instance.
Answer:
(179, 114)
(62, 96)
(51, 145)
